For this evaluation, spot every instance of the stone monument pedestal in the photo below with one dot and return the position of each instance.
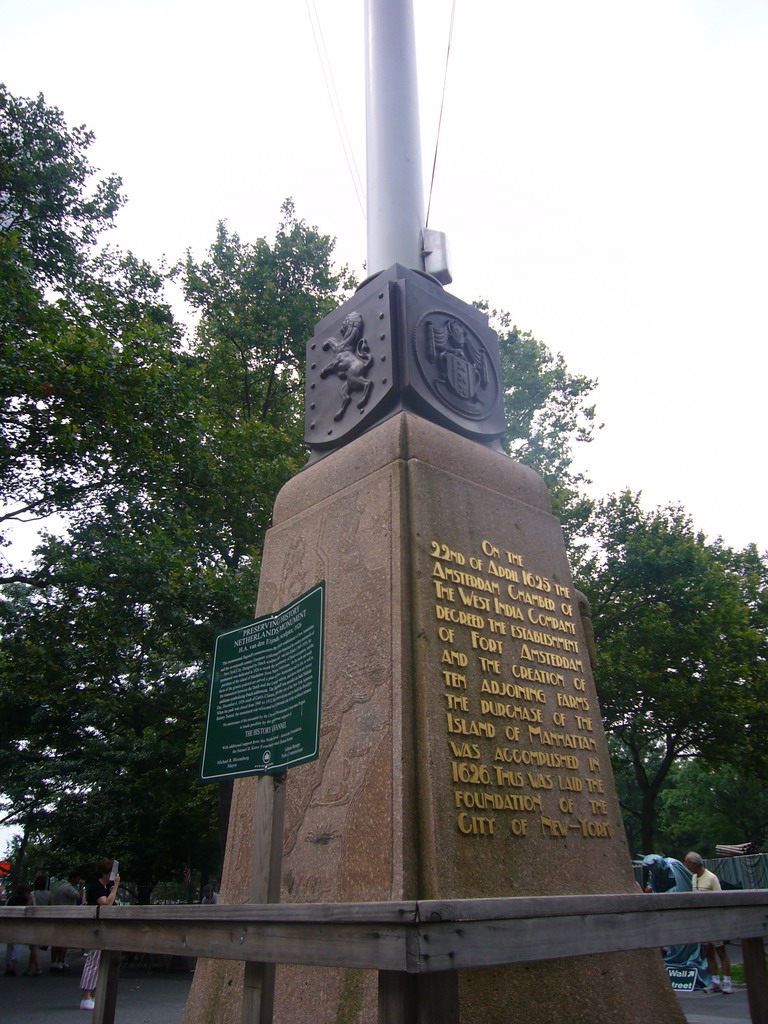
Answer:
(462, 753)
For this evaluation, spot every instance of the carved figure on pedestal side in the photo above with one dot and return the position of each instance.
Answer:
(352, 360)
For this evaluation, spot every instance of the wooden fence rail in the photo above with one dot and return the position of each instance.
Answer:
(417, 946)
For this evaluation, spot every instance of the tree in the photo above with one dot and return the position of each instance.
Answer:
(704, 806)
(48, 218)
(548, 414)
(258, 305)
(166, 460)
(88, 347)
(681, 638)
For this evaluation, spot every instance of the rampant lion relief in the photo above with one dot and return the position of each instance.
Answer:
(352, 360)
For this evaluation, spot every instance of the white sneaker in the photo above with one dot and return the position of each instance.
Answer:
(713, 987)
(727, 987)
(87, 1004)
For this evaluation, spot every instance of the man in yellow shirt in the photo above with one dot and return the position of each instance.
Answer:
(706, 881)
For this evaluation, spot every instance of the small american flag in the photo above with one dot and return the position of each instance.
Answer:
(187, 873)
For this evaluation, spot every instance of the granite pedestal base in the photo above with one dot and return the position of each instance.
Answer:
(462, 753)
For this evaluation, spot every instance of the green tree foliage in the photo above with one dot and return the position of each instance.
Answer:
(113, 650)
(703, 807)
(88, 347)
(681, 635)
(101, 690)
(165, 459)
(548, 413)
(50, 215)
(258, 304)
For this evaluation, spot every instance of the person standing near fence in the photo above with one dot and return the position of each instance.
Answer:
(68, 894)
(707, 881)
(210, 893)
(101, 892)
(41, 897)
(22, 897)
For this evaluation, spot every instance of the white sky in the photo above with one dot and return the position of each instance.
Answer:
(603, 176)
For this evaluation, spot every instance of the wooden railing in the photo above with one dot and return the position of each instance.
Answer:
(417, 946)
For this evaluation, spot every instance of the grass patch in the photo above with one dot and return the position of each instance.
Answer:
(737, 972)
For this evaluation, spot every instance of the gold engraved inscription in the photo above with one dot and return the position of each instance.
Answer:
(517, 719)
(469, 727)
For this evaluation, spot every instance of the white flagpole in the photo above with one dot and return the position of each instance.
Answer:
(395, 190)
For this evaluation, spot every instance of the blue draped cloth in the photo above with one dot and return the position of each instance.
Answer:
(669, 875)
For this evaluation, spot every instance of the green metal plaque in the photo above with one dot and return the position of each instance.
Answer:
(264, 703)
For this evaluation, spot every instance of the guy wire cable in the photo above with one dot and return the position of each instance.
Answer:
(333, 96)
(442, 105)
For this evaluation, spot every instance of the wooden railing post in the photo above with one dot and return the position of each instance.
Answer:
(105, 998)
(438, 999)
(397, 998)
(418, 998)
(756, 978)
(259, 978)
(258, 993)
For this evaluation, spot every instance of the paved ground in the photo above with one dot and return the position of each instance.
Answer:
(145, 996)
(700, 1008)
(152, 996)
